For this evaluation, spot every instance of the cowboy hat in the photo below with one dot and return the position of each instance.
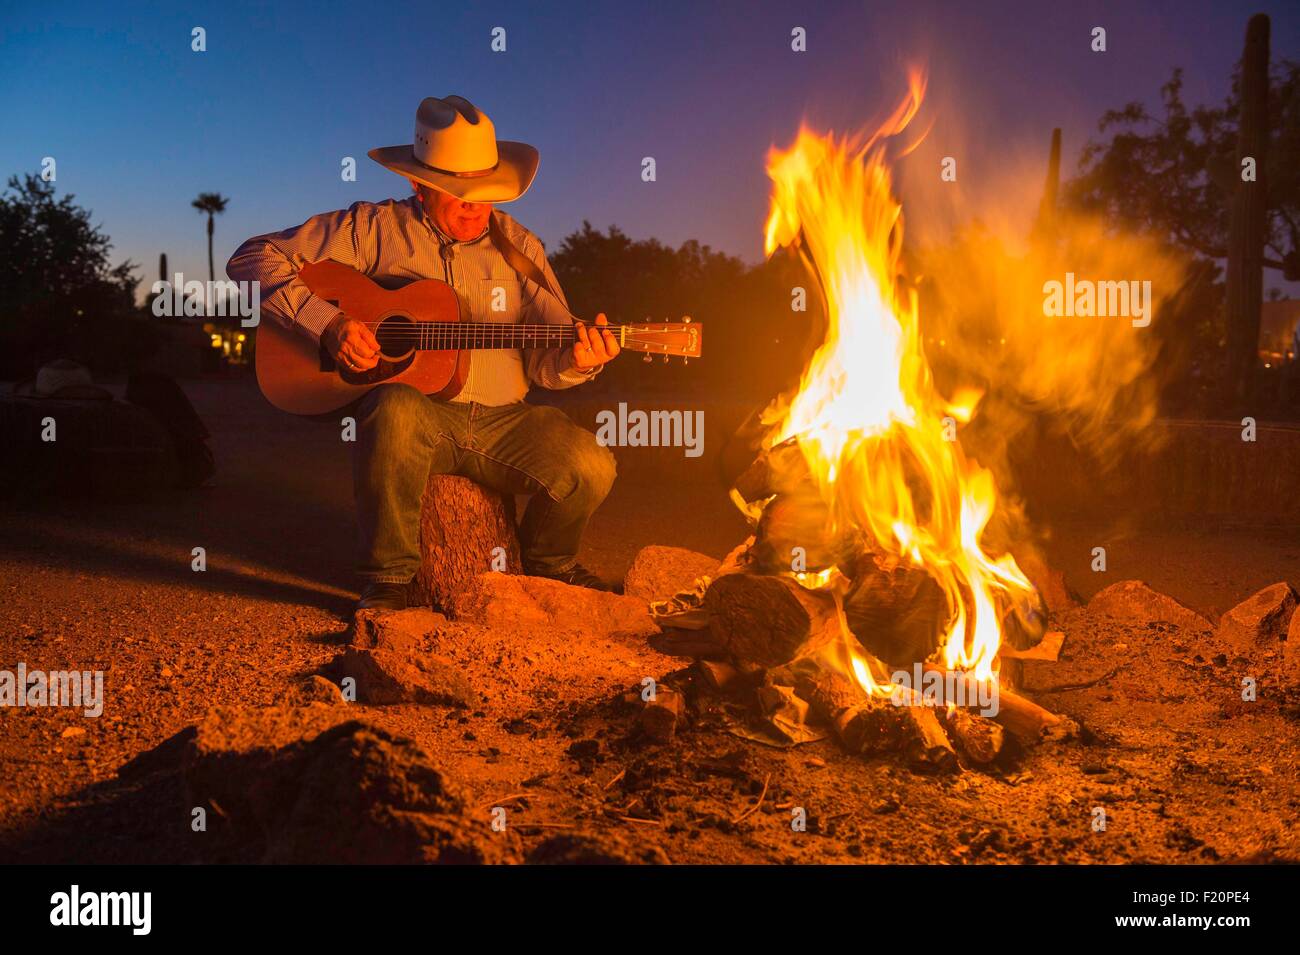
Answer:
(456, 151)
(62, 378)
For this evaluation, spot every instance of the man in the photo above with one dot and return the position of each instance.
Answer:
(487, 432)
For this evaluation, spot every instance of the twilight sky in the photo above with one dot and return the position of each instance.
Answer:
(139, 124)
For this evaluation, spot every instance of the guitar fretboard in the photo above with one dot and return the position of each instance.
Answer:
(454, 336)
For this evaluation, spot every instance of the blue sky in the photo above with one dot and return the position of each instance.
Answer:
(139, 124)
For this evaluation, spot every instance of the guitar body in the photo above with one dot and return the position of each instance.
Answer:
(297, 376)
(423, 342)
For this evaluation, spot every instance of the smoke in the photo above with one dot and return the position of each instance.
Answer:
(983, 245)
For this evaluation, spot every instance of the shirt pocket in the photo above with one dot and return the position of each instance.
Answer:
(497, 300)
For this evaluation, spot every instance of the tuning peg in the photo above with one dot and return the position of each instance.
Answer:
(686, 319)
(647, 358)
(665, 359)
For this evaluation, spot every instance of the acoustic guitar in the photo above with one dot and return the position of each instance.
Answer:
(422, 342)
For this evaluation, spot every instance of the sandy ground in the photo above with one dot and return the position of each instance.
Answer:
(1185, 771)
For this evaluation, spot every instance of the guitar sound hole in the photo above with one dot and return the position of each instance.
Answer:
(396, 336)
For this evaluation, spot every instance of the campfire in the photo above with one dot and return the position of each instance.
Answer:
(870, 599)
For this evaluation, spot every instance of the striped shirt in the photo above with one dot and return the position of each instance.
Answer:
(394, 243)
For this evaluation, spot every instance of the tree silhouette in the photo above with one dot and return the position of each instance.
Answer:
(213, 203)
(1173, 174)
(754, 342)
(62, 298)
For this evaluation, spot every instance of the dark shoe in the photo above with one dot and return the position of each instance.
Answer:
(577, 576)
(383, 597)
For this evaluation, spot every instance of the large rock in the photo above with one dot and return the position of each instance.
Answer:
(316, 689)
(403, 676)
(1291, 654)
(513, 603)
(392, 660)
(305, 785)
(1133, 602)
(1260, 620)
(658, 572)
(405, 630)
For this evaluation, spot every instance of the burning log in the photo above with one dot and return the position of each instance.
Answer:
(793, 531)
(793, 534)
(860, 723)
(776, 470)
(769, 620)
(895, 609)
(864, 724)
(1021, 716)
(980, 738)
(928, 749)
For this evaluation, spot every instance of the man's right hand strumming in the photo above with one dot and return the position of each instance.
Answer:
(351, 343)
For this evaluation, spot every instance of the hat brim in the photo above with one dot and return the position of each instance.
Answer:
(27, 389)
(516, 167)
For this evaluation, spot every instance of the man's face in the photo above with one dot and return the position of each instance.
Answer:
(458, 219)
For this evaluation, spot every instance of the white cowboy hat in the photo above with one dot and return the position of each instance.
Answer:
(457, 151)
(62, 378)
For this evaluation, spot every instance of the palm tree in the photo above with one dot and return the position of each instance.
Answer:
(212, 203)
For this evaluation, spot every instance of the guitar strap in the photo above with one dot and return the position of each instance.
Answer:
(526, 267)
(516, 259)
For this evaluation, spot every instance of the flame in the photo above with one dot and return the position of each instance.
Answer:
(874, 430)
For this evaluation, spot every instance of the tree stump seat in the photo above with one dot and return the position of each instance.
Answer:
(465, 530)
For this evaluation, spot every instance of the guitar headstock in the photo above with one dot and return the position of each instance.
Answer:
(684, 339)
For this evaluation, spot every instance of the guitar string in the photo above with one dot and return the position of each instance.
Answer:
(509, 331)
(454, 346)
(413, 323)
(508, 335)
(519, 341)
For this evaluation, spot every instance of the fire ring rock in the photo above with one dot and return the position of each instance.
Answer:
(1260, 620)
(658, 572)
(1133, 602)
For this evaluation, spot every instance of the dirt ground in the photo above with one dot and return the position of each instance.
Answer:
(1184, 769)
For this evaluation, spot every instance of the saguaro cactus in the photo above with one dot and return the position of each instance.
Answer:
(1247, 222)
(1045, 226)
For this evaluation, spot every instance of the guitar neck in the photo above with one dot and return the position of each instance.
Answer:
(456, 336)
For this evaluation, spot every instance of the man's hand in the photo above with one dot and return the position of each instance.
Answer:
(351, 343)
(594, 346)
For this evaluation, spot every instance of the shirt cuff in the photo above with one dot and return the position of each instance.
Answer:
(574, 376)
(316, 315)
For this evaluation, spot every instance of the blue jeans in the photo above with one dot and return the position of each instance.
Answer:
(404, 436)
